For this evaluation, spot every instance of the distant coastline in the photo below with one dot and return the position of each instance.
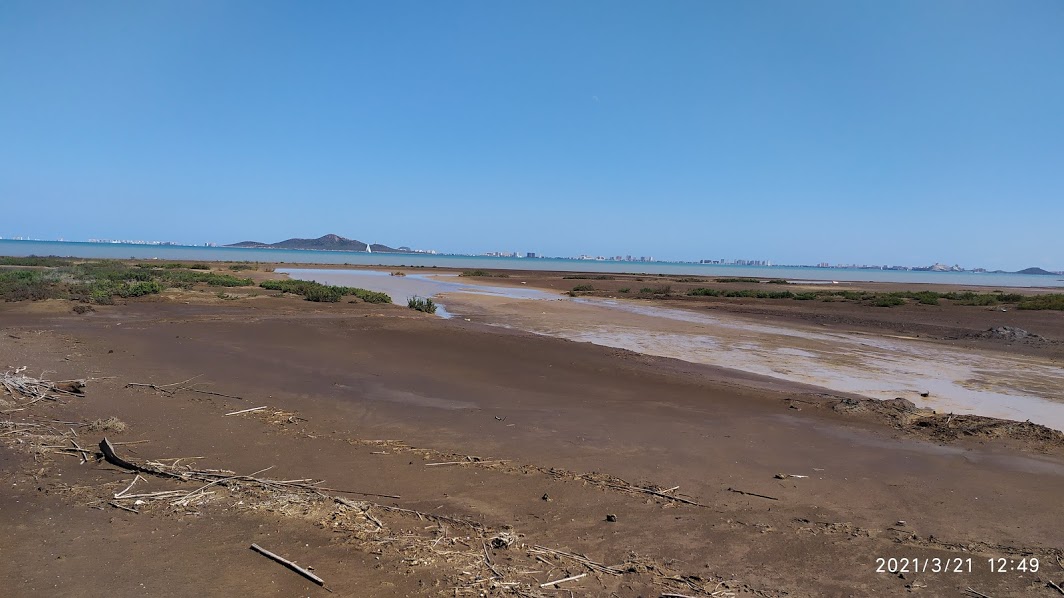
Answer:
(306, 256)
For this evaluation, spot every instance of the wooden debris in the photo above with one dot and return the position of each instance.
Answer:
(1055, 586)
(583, 560)
(975, 593)
(737, 491)
(246, 410)
(558, 581)
(172, 389)
(289, 564)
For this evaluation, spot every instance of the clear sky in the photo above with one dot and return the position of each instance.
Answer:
(902, 132)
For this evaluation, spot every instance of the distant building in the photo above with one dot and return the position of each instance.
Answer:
(531, 254)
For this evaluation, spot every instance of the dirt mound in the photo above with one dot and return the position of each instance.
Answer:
(952, 427)
(1009, 333)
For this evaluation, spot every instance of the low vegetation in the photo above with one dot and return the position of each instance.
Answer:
(34, 261)
(893, 299)
(101, 281)
(175, 265)
(483, 273)
(583, 288)
(587, 277)
(421, 304)
(1052, 301)
(315, 291)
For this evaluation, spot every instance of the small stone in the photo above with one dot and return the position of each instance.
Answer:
(611, 518)
(547, 497)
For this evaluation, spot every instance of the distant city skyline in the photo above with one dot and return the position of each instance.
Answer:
(910, 132)
(939, 266)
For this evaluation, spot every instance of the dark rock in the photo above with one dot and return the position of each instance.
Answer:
(611, 518)
(1008, 333)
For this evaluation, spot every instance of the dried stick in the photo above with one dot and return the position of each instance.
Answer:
(583, 560)
(246, 411)
(289, 564)
(737, 491)
(1055, 586)
(124, 508)
(631, 488)
(558, 581)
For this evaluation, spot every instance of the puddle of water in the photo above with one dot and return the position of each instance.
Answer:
(402, 288)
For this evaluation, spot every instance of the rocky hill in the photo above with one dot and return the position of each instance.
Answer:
(324, 243)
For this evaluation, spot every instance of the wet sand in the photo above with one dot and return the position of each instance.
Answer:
(964, 380)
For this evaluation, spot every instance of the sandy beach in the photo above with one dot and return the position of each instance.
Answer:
(498, 451)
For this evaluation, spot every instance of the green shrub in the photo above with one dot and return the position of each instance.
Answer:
(323, 294)
(888, 301)
(624, 290)
(738, 280)
(369, 296)
(139, 289)
(807, 296)
(703, 292)
(1049, 301)
(584, 288)
(315, 291)
(475, 273)
(926, 297)
(421, 304)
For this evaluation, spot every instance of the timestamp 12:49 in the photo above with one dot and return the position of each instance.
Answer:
(953, 565)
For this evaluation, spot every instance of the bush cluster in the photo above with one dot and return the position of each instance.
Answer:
(315, 291)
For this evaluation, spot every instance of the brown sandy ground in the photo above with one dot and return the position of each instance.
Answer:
(550, 437)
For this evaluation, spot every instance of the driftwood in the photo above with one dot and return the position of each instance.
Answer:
(661, 494)
(215, 477)
(583, 560)
(289, 564)
(1055, 586)
(19, 385)
(172, 389)
(246, 410)
(737, 491)
(558, 581)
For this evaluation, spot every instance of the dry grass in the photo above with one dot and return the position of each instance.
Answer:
(111, 424)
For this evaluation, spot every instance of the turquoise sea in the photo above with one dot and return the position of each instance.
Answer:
(181, 252)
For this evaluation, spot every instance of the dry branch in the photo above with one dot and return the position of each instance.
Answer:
(174, 388)
(246, 410)
(558, 581)
(583, 560)
(737, 491)
(289, 564)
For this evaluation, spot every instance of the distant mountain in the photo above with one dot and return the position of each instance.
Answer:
(326, 243)
(1038, 271)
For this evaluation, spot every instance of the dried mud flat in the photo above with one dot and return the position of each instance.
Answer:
(401, 455)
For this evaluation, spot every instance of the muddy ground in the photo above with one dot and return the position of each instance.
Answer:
(503, 447)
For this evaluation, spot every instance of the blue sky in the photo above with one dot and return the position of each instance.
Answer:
(901, 132)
